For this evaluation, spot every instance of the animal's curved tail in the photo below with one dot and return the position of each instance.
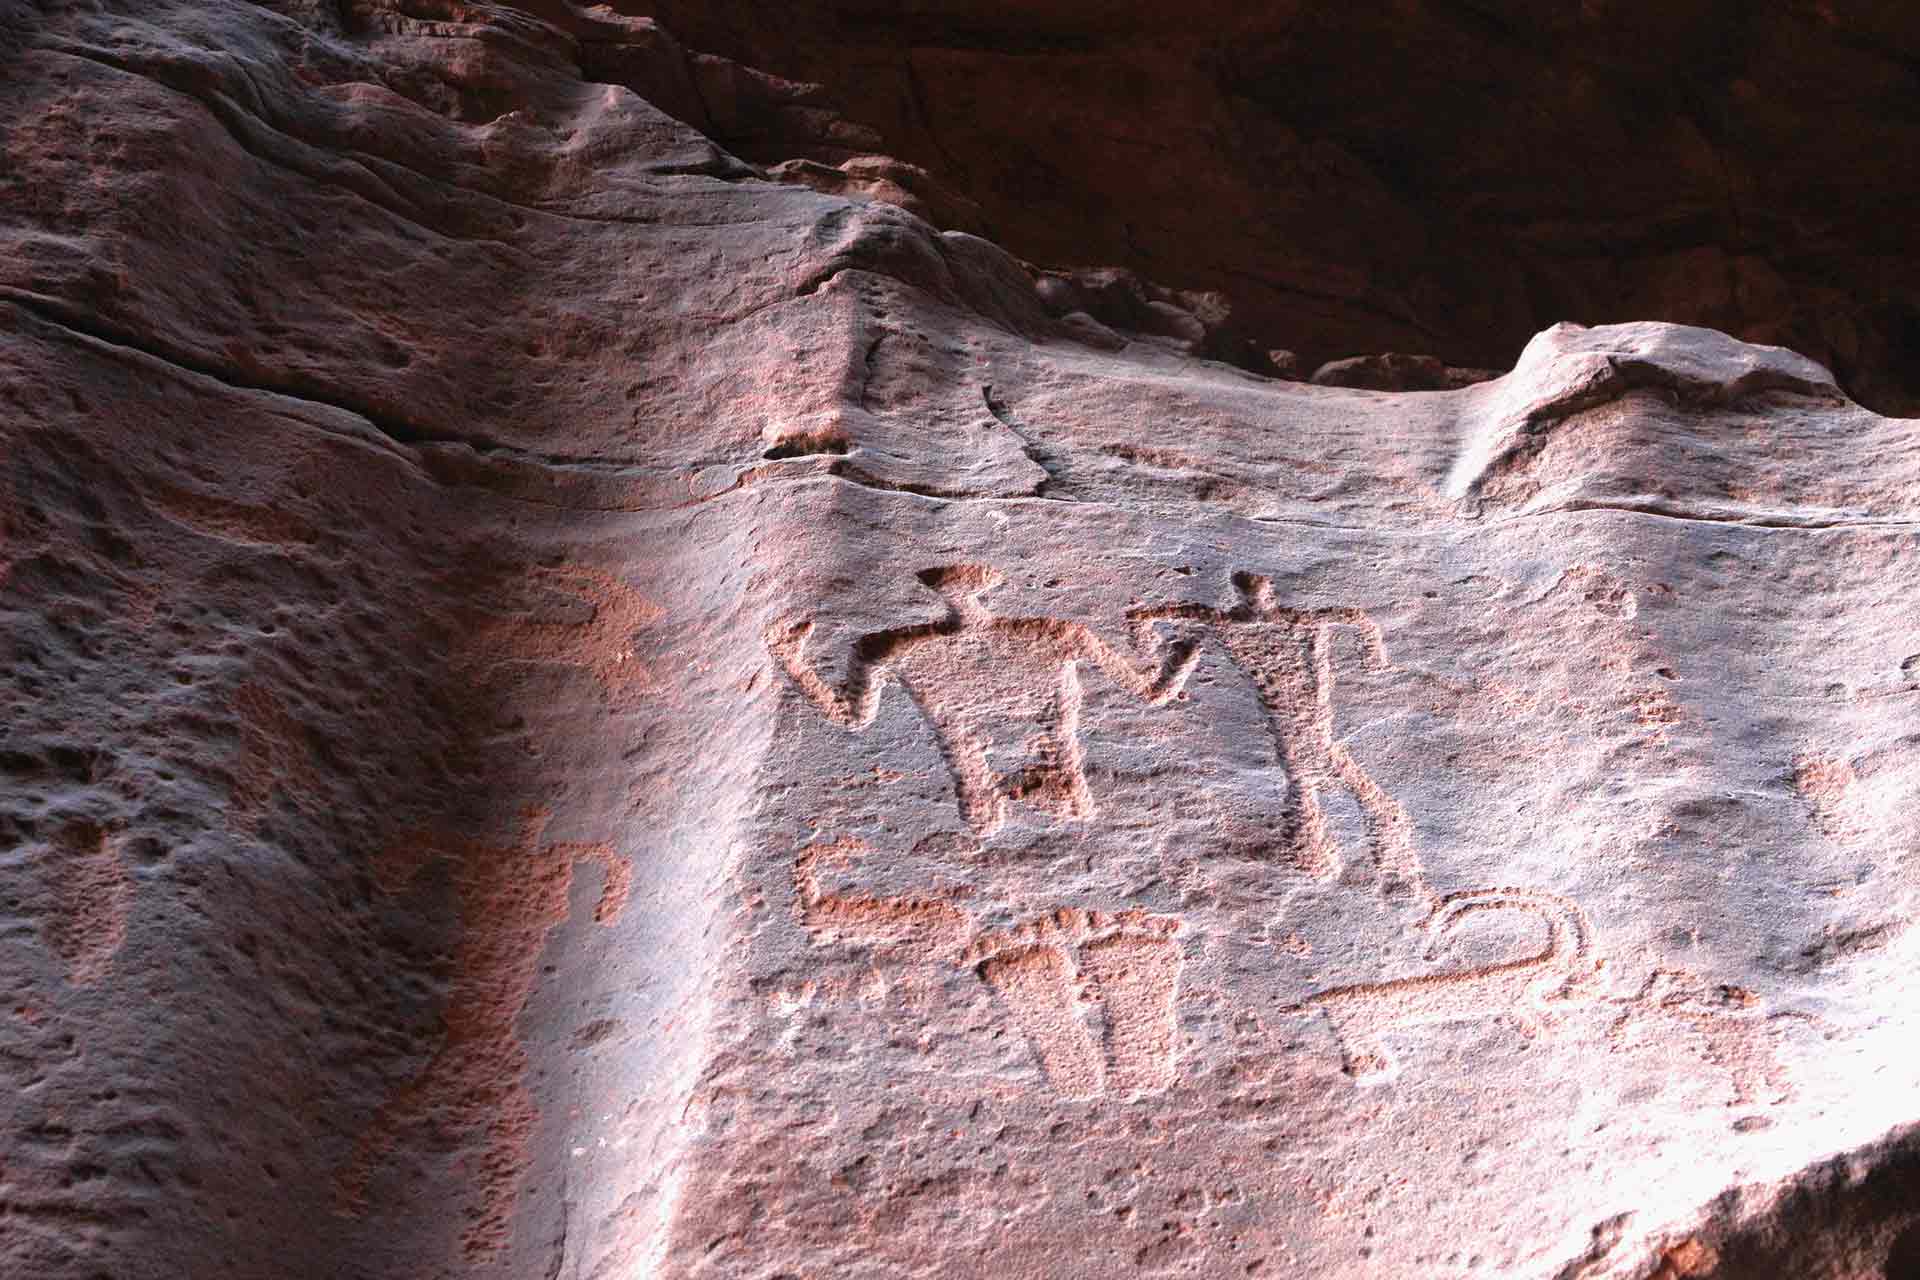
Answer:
(1569, 946)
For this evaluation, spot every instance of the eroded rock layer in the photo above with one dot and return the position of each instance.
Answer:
(576, 708)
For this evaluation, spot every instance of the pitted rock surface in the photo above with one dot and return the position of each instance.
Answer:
(579, 708)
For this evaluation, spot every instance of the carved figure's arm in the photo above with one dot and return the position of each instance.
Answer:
(1155, 683)
(851, 708)
(618, 885)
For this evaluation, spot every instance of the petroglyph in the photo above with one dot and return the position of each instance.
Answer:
(1054, 973)
(940, 928)
(509, 899)
(1122, 967)
(1610, 654)
(1288, 654)
(983, 681)
(1727, 1027)
(1521, 991)
(1827, 783)
(1603, 672)
(92, 893)
(1037, 986)
(603, 642)
(273, 753)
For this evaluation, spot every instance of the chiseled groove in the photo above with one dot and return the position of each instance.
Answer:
(1666, 511)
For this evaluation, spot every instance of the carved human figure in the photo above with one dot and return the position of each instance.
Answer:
(987, 685)
(1288, 654)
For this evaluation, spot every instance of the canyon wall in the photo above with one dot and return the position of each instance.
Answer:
(589, 699)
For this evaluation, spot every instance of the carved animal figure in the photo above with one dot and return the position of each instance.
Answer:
(1050, 972)
(1725, 1025)
(1520, 991)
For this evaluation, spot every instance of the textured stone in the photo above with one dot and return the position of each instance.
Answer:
(1421, 176)
(576, 707)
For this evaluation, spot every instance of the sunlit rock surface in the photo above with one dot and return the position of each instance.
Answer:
(575, 709)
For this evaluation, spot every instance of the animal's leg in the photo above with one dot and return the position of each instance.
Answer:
(1363, 1055)
(1135, 979)
(1037, 985)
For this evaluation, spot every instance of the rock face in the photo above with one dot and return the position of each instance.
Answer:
(1421, 176)
(577, 707)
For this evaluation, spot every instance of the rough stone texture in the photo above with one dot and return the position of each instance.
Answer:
(1424, 176)
(578, 708)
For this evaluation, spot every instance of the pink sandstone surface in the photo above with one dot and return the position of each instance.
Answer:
(581, 708)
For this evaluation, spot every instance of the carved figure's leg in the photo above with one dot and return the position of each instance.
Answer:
(395, 1115)
(983, 799)
(1058, 783)
(1036, 983)
(1363, 1055)
(1388, 828)
(510, 1121)
(1135, 980)
(1304, 757)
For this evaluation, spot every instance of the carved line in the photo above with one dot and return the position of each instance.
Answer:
(1363, 1013)
(1125, 965)
(1058, 783)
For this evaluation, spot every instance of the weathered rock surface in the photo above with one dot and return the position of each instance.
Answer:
(1445, 178)
(579, 708)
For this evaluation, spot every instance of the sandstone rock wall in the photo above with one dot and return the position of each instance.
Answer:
(1427, 177)
(575, 709)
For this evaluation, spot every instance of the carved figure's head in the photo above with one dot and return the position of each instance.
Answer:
(961, 584)
(1256, 591)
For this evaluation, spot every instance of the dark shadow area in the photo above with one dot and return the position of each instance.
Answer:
(1855, 1215)
(1436, 178)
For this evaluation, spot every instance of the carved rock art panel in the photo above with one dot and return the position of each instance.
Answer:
(986, 685)
(509, 900)
(1056, 975)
